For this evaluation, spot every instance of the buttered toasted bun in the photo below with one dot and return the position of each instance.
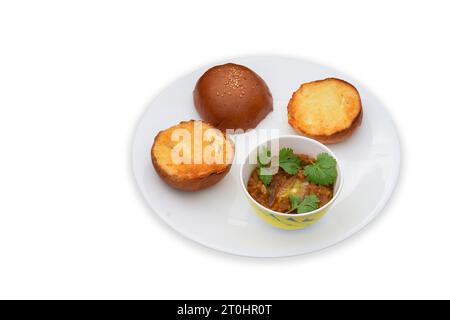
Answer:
(192, 155)
(232, 96)
(327, 110)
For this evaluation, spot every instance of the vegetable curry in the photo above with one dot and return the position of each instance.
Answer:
(301, 183)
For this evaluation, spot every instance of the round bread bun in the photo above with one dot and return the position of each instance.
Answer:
(195, 139)
(232, 96)
(328, 110)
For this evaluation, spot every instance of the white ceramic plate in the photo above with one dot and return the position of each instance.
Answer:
(221, 218)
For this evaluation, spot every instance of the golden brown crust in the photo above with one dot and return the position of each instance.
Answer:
(338, 136)
(194, 176)
(327, 121)
(232, 96)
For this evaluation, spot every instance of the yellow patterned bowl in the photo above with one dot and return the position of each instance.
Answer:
(283, 220)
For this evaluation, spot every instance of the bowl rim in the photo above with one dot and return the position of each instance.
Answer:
(299, 138)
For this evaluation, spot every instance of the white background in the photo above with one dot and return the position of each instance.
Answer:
(75, 77)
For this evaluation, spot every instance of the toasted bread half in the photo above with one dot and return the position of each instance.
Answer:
(326, 110)
(192, 155)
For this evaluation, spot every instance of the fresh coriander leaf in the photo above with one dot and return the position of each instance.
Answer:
(323, 171)
(309, 203)
(265, 178)
(286, 152)
(288, 161)
(326, 161)
(295, 201)
(264, 156)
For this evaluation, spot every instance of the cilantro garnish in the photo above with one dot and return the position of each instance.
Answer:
(264, 176)
(322, 171)
(264, 156)
(287, 160)
(309, 203)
